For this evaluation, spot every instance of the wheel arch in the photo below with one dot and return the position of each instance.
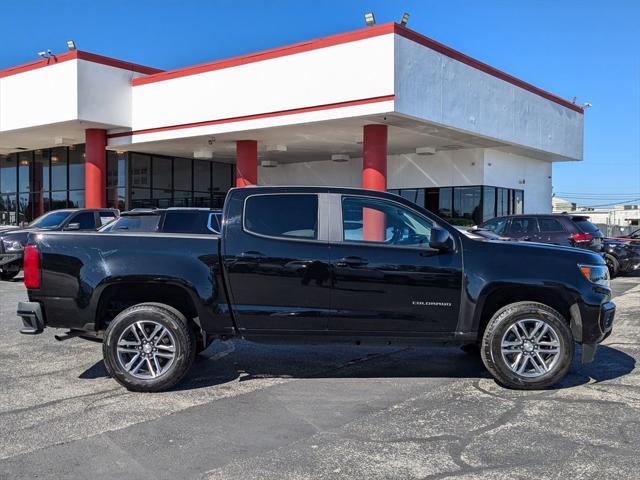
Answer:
(501, 295)
(117, 297)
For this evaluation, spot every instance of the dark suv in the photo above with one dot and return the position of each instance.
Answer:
(571, 230)
(12, 241)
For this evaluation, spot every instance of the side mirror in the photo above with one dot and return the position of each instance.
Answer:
(72, 226)
(440, 239)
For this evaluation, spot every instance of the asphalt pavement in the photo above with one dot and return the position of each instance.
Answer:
(250, 411)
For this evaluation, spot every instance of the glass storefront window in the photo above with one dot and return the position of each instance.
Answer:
(58, 200)
(140, 171)
(467, 204)
(222, 177)
(76, 167)
(182, 199)
(445, 203)
(116, 169)
(518, 201)
(76, 198)
(182, 174)
(201, 176)
(162, 198)
(24, 170)
(502, 202)
(162, 173)
(116, 198)
(8, 178)
(488, 203)
(41, 170)
(59, 169)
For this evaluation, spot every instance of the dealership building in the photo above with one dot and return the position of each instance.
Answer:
(382, 107)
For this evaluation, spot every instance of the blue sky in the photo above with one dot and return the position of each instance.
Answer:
(588, 49)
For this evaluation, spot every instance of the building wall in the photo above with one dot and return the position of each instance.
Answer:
(504, 169)
(39, 97)
(444, 169)
(434, 87)
(104, 93)
(357, 70)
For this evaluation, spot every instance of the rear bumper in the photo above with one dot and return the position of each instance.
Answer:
(32, 318)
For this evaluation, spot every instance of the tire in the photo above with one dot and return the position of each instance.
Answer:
(535, 368)
(613, 265)
(200, 344)
(161, 361)
(8, 274)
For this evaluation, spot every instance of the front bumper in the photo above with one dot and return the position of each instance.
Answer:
(591, 325)
(32, 318)
(9, 258)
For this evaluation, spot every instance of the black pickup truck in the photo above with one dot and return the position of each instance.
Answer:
(318, 265)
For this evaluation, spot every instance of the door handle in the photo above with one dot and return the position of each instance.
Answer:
(252, 255)
(352, 262)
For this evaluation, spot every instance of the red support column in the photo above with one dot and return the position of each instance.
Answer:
(95, 168)
(246, 163)
(374, 177)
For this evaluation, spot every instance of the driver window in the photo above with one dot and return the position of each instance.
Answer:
(380, 221)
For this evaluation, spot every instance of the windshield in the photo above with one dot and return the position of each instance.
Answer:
(50, 220)
(133, 223)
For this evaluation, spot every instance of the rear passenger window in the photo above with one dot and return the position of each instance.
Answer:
(186, 222)
(548, 225)
(289, 216)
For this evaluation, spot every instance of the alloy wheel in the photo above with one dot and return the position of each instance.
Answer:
(146, 349)
(530, 348)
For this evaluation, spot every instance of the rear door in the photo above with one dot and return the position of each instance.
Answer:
(387, 281)
(276, 259)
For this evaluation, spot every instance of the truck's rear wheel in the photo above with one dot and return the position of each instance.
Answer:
(527, 345)
(148, 348)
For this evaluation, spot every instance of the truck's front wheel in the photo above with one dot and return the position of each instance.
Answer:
(148, 348)
(527, 345)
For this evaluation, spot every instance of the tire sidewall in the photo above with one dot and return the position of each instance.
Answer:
(503, 321)
(612, 264)
(184, 347)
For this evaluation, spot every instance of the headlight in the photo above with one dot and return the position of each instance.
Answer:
(12, 246)
(598, 274)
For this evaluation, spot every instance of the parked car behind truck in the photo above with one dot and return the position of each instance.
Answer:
(12, 241)
(320, 265)
(557, 229)
(167, 220)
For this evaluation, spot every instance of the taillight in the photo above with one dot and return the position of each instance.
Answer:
(31, 267)
(581, 237)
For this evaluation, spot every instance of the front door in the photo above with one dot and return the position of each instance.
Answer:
(386, 279)
(523, 228)
(277, 264)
